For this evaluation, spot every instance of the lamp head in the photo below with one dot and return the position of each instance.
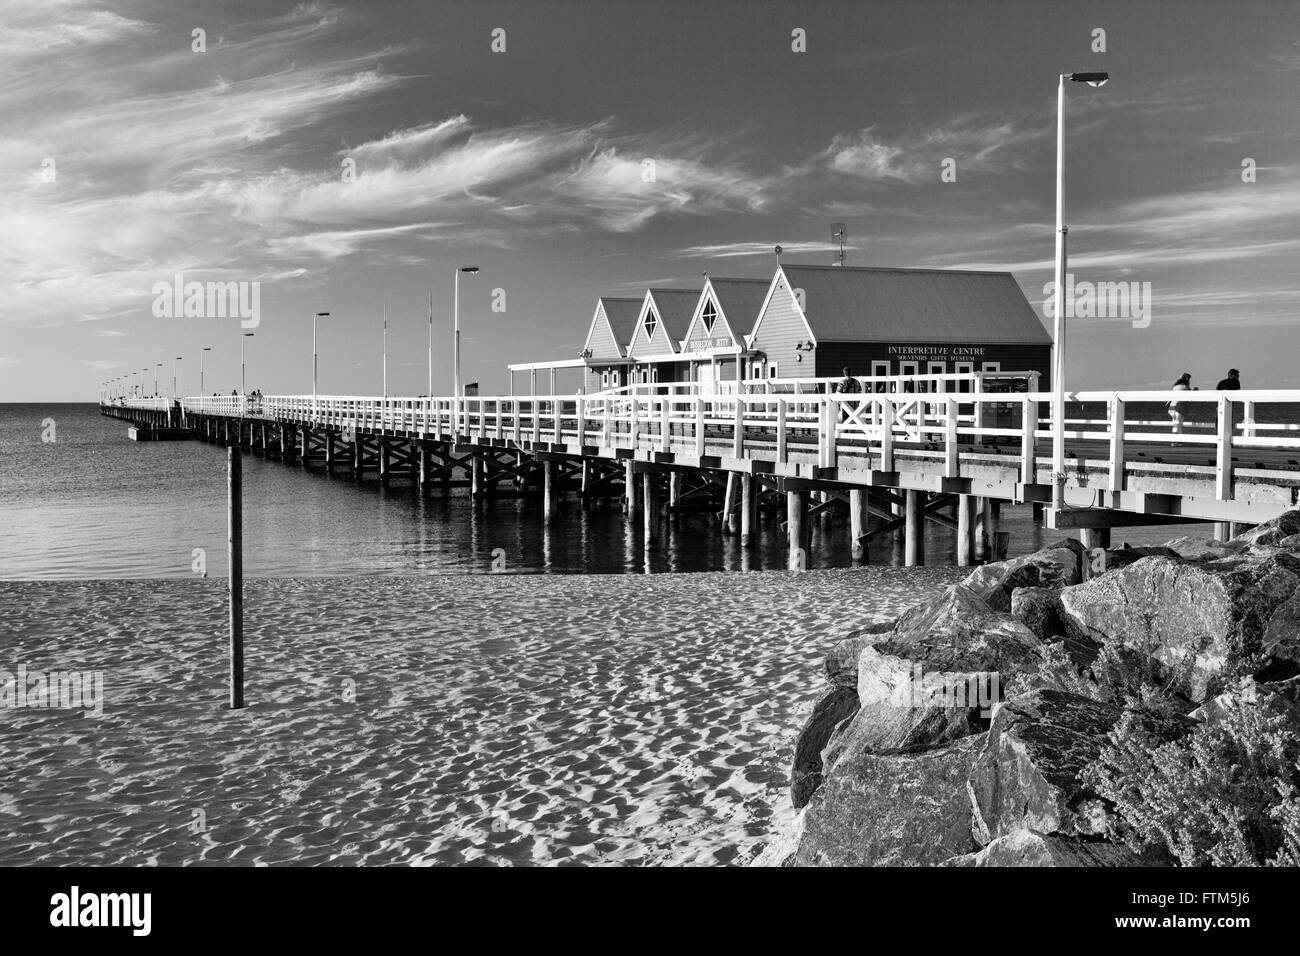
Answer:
(1092, 79)
(469, 270)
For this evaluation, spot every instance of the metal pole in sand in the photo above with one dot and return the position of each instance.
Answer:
(234, 458)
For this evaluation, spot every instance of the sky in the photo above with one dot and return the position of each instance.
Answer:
(349, 157)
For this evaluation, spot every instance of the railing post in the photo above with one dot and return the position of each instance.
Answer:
(887, 436)
(537, 420)
(699, 426)
(665, 423)
(738, 430)
(782, 447)
(580, 408)
(1248, 420)
(1116, 426)
(1223, 466)
(1028, 441)
(952, 464)
(635, 422)
(605, 434)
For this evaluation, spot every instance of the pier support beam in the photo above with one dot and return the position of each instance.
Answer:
(748, 510)
(674, 489)
(422, 453)
(914, 555)
(477, 486)
(550, 494)
(1095, 537)
(651, 505)
(984, 531)
(796, 521)
(729, 516)
(381, 452)
(966, 530)
(631, 495)
(858, 523)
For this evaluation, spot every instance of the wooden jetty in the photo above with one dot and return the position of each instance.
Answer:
(904, 451)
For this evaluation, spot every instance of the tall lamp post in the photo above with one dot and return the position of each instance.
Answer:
(243, 367)
(470, 270)
(203, 392)
(430, 391)
(155, 379)
(385, 351)
(1058, 337)
(318, 315)
(175, 364)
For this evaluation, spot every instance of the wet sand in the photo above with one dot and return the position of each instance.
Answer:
(499, 720)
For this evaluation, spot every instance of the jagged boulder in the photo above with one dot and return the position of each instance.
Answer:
(935, 678)
(1054, 566)
(1028, 773)
(1271, 533)
(1025, 848)
(891, 810)
(835, 706)
(1208, 622)
(1112, 559)
(1202, 549)
(1039, 609)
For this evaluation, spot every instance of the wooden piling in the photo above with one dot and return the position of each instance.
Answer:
(1095, 537)
(796, 521)
(651, 505)
(674, 489)
(914, 543)
(631, 495)
(858, 523)
(729, 522)
(550, 494)
(966, 530)
(235, 559)
(748, 511)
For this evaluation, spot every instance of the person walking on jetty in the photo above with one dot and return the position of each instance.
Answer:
(1231, 383)
(848, 384)
(1184, 384)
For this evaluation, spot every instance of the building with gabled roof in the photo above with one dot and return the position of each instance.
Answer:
(817, 320)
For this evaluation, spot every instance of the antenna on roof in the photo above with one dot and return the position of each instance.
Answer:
(778, 250)
(839, 234)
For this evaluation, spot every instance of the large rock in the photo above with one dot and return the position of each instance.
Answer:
(1202, 549)
(935, 678)
(835, 706)
(1271, 532)
(1039, 609)
(1112, 559)
(1055, 566)
(1208, 622)
(1025, 848)
(1028, 774)
(895, 810)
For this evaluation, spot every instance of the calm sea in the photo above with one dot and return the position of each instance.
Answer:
(92, 504)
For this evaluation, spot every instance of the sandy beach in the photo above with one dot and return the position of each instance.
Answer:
(495, 720)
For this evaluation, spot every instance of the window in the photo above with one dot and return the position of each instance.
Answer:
(964, 368)
(709, 316)
(771, 370)
(651, 323)
(604, 379)
(880, 369)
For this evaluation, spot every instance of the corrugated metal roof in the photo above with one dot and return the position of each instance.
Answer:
(622, 314)
(870, 304)
(740, 300)
(675, 308)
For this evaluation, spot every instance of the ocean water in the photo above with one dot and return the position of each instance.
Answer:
(92, 504)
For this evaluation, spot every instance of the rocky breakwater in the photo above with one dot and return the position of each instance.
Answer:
(981, 727)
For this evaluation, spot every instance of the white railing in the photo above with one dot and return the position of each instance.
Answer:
(865, 428)
(149, 404)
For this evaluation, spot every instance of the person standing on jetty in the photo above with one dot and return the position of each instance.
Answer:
(847, 385)
(1231, 383)
(1184, 384)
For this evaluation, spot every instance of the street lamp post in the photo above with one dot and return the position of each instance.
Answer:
(203, 392)
(1058, 337)
(318, 315)
(155, 379)
(456, 394)
(243, 368)
(385, 352)
(429, 393)
(175, 364)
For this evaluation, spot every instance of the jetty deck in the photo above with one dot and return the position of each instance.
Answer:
(893, 456)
